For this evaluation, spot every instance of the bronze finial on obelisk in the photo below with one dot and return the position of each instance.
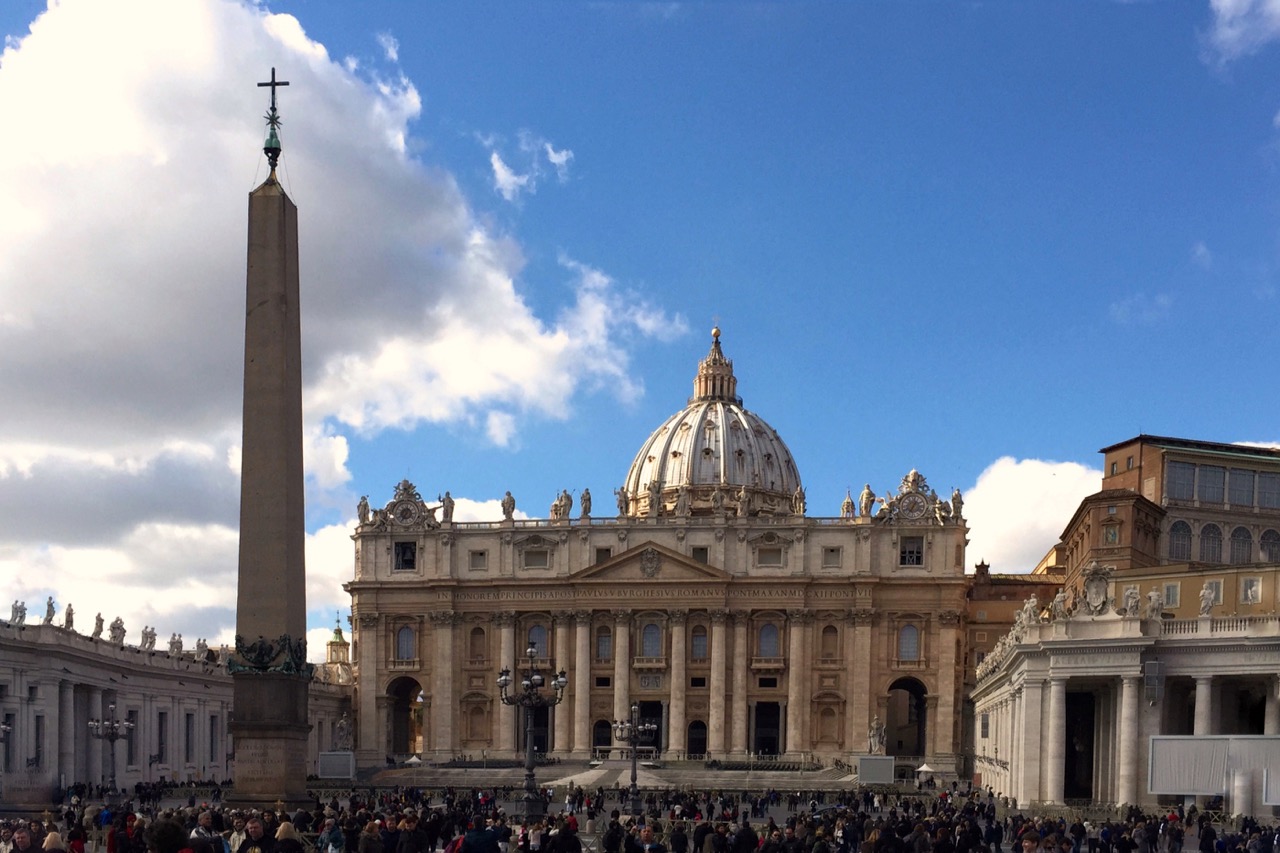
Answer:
(269, 666)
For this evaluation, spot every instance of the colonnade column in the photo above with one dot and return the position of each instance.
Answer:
(1016, 735)
(66, 732)
(677, 725)
(1271, 716)
(1204, 705)
(95, 746)
(738, 743)
(621, 665)
(506, 621)
(1127, 741)
(715, 721)
(1056, 747)
(859, 707)
(442, 622)
(797, 683)
(563, 719)
(1030, 740)
(582, 685)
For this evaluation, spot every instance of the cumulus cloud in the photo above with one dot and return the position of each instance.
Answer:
(535, 155)
(390, 47)
(508, 184)
(1019, 507)
(1241, 27)
(1141, 309)
(121, 280)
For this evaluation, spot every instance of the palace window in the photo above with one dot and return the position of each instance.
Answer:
(1216, 587)
(831, 558)
(698, 643)
(1269, 491)
(909, 643)
(829, 643)
(537, 558)
(769, 557)
(1210, 486)
(478, 647)
(604, 644)
(699, 554)
(1269, 545)
(651, 641)
(1180, 541)
(768, 681)
(1240, 487)
(911, 551)
(538, 639)
(1210, 544)
(1182, 481)
(406, 554)
(698, 681)
(478, 561)
(1172, 594)
(406, 644)
(603, 554)
(768, 641)
(1241, 546)
(1250, 590)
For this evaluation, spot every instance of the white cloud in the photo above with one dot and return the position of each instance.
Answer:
(1141, 309)
(1201, 256)
(1019, 508)
(559, 159)
(507, 182)
(390, 47)
(122, 380)
(532, 151)
(1241, 27)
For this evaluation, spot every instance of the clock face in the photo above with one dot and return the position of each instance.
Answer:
(912, 505)
(405, 512)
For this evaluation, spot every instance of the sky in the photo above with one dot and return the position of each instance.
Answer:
(979, 239)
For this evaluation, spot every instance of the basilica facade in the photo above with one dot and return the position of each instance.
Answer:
(706, 595)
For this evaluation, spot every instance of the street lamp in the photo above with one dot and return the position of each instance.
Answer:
(111, 730)
(631, 732)
(529, 697)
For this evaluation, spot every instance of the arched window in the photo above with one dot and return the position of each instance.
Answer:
(1180, 541)
(830, 641)
(827, 725)
(1241, 546)
(651, 641)
(1270, 546)
(477, 724)
(604, 644)
(768, 645)
(1210, 544)
(406, 644)
(698, 642)
(538, 639)
(479, 648)
(909, 643)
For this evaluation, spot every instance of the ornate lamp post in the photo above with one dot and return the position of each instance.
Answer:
(529, 697)
(631, 732)
(111, 730)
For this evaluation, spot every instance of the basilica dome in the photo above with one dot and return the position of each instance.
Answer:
(713, 456)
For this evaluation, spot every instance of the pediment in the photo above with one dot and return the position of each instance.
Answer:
(650, 562)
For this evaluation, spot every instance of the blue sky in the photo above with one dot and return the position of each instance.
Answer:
(979, 239)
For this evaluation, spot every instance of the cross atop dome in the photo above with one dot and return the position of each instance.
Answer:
(715, 379)
(272, 146)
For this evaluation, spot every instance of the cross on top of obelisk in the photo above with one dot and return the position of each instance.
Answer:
(272, 146)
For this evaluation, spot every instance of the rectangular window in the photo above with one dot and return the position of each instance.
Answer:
(831, 558)
(189, 739)
(131, 740)
(698, 681)
(602, 681)
(1251, 590)
(4, 690)
(1182, 481)
(538, 558)
(1172, 594)
(33, 692)
(768, 681)
(214, 758)
(699, 645)
(604, 646)
(1128, 464)
(911, 551)
(699, 554)
(1269, 491)
(986, 726)
(406, 556)
(478, 561)
(1115, 468)
(1240, 487)
(1211, 484)
(979, 636)
(769, 557)
(162, 737)
(980, 657)
(603, 554)
(1216, 588)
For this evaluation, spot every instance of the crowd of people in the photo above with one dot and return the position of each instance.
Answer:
(671, 821)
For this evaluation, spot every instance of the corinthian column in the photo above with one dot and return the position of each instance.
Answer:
(442, 623)
(739, 741)
(560, 713)
(506, 622)
(715, 722)
(797, 684)
(622, 665)
(677, 725)
(582, 685)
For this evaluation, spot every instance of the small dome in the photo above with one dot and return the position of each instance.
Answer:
(713, 445)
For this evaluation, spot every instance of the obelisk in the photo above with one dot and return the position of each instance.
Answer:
(269, 667)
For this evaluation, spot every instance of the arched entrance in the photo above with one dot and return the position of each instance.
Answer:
(602, 736)
(905, 726)
(697, 742)
(405, 729)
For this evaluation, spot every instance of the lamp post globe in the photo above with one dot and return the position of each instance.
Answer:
(531, 695)
(631, 732)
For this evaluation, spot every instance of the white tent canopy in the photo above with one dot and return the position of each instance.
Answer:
(924, 768)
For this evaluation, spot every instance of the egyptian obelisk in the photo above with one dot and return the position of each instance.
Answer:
(269, 667)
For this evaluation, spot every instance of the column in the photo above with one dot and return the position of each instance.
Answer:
(506, 622)
(582, 685)
(738, 745)
(715, 721)
(442, 700)
(1056, 747)
(370, 741)
(562, 717)
(621, 665)
(1016, 736)
(858, 664)
(1029, 743)
(1127, 741)
(677, 722)
(797, 684)
(66, 732)
(1204, 705)
(1271, 716)
(96, 776)
(944, 739)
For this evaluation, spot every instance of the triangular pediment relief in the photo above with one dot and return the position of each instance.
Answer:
(769, 538)
(651, 562)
